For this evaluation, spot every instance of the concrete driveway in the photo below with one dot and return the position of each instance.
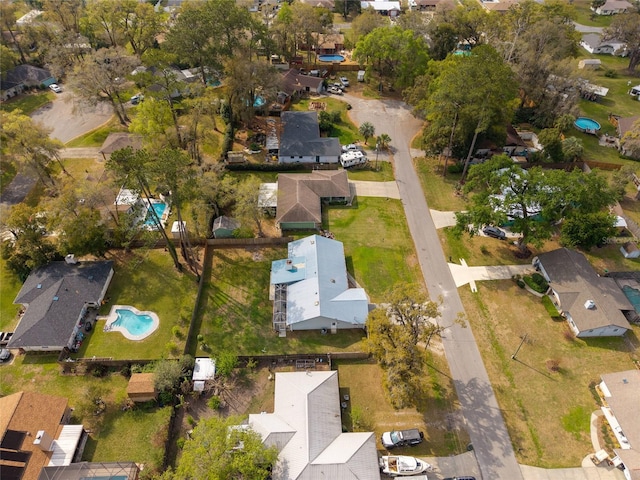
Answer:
(376, 189)
(68, 117)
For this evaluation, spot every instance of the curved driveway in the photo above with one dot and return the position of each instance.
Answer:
(484, 421)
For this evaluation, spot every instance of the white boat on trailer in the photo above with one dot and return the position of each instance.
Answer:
(401, 465)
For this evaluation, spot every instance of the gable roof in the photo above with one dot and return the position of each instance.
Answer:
(575, 282)
(514, 138)
(306, 427)
(300, 194)
(614, 5)
(301, 136)
(324, 289)
(55, 296)
(28, 74)
(119, 140)
(293, 81)
(22, 415)
(225, 223)
(624, 390)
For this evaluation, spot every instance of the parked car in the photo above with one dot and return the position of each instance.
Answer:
(55, 88)
(401, 438)
(345, 81)
(352, 147)
(495, 232)
(334, 90)
(137, 98)
(5, 354)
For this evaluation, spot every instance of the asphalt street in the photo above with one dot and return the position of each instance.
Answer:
(484, 421)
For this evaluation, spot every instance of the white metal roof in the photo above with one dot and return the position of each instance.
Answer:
(204, 369)
(65, 445)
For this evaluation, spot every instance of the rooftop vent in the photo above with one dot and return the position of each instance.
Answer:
(55, 299)
(39, 285)
(590, 305)
(289, 264)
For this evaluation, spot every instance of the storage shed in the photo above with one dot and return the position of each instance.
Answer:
(589, 64)
(141, 387)
(223, 227)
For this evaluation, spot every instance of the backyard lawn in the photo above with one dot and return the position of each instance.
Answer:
(28, 103)
(10, 286)
(147, 280)
(547, 412)
(346, 131)
(236, 313)
(117, 435)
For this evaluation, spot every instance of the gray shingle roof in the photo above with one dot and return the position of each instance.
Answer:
(55, 296)
(575, 282)
(28, 74)
(301, 136)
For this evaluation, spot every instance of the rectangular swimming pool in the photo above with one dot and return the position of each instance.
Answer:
(159, 208)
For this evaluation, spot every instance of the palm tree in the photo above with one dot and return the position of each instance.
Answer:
(384, 140)
(367, 130)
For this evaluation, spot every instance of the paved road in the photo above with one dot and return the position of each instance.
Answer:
(484, 420)
(68, 118)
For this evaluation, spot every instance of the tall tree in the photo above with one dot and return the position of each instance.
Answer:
(367, 130)
(625, 28)
(101, 75)
(364, 24)
(142, 24)
(218, 449)
(105, 19)
(246, 206)
(29, 144)
(8, 17)
(65, 13)
(398, 55)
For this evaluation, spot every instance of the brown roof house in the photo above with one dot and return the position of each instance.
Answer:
(35, 434)
(141, 387)
(300, 197)
(118, 141)
(620, 394)
(295, 83)
(594, 306)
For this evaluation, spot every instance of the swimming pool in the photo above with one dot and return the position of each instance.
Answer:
(159, 208)
(633, 295)
(331, 58)
(131, 322)
(259, 101)
(587, 125)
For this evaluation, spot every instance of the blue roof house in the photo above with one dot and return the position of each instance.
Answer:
(310, 289)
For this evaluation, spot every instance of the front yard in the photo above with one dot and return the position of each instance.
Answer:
(547, 394)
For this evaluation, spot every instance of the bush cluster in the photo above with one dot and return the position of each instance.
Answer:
(537, 283)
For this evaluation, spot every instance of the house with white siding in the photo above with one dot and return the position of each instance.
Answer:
(300, 141)
(306, 428)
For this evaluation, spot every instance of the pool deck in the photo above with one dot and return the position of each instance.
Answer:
(112, 316)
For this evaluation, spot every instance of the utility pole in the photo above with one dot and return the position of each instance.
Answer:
(513, 357)
(377, 150)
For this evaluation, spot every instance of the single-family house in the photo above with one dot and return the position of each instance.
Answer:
(589, 64)
(36, 438)
(383, 7)
(620, 392)
(328, 4)
(328, 43)
(310, 289)
(594, 306)
(424, 5)
(500, 6)
(56, 297)
(306, 428)
(623, 125)
(300, 140)
(301, 195)
(613, 7)
(223, 227)
(295, 83)
(514, 144)
(10, 89)
(204, 370)
(141, 387)
(593, 43)
(30, 76)
(118, 141)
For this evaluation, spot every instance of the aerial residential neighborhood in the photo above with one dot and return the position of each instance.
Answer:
(319, 239)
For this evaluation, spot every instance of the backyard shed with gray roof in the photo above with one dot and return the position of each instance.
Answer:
(300, 141)
(306, 428)
(56, 297)
(311, 288)
(594, 306)
(223, 227)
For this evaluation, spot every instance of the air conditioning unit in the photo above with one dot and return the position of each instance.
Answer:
(43, 441)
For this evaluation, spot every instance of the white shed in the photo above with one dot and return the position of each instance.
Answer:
(203, 370)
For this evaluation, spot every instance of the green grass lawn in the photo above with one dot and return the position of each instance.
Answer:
(547, 412)
(379, 249)
(146, 280)
(369, 410)
(119, 436)
(438, 190)
(96, 137)
(28, 103)
(236, 313)
(346, 131)
(384, 173)
(585, 16)
(10, 285)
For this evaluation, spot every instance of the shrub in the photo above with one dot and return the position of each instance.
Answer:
(172, 348)
(227, 361)
(177, 332)
(610, 73)
(455, 168)
(191, 421)
(214, 402)
(180, 443)
(520, 283)
(165, 398)
(537, 283)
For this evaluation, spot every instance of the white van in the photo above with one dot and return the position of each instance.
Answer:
(352, 158)
(635, 91)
